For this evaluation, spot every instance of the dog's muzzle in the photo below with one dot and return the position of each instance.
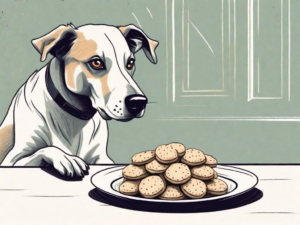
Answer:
(135, 103)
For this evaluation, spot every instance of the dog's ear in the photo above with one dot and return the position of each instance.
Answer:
(57, 42)
(137, 39)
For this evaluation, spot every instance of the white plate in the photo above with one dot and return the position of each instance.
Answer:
(238, 180)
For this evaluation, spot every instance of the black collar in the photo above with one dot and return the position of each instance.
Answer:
(56, 96)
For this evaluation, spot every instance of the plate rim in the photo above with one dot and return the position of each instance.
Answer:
(216, 198)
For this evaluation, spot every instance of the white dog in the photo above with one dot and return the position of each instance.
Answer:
(53, 117)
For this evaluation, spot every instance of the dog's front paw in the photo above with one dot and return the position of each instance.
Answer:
(65, 164)
(71, 166)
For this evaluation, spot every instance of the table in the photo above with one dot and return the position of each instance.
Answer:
(38, 196)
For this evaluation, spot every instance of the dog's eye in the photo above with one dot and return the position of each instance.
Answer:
(130, 64)
(96, 64)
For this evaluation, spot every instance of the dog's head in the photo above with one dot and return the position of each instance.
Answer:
(99, 62)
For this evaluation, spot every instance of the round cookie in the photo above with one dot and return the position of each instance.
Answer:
(193, 157)
(130, 187)
(172, 192)
(178, 173)
(161, 175)
(207, 195)
(216, 187)
(133, 172)
(202, 172)
(178, 160)
(165, 154)
(210, 161)
(180, 148)
(215, 174)
(194, 188)
(156, 167)
(143, 158)
(152, 186)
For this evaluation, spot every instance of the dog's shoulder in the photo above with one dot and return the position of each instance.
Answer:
(36, 82)
(30, 98)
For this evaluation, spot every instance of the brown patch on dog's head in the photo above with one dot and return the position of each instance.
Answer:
(105, 88)
(69, 73)
(83, 48)
(153, 44)
(79, 53)
(102, 80)
(123, 29)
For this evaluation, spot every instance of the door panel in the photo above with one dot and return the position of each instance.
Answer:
(202, 57)
(267, 38)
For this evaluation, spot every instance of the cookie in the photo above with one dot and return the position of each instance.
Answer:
(193, 157)
(156, 167)
(172, 192)
(216, 187)
(130, 187)
(152, 186)
(178, 173)
(207, 195)
(178, 160)
(133, 172)
(210, 161)
(143, 158)
(180, 148)
(194, 188)
(161, 175)
(215, 174)
(202, 172)
(165, 154)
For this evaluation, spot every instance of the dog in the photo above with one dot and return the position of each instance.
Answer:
(59, 116)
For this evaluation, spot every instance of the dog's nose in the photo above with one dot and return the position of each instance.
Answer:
(135, 103)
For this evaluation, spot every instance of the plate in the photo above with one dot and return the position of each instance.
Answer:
(239, 181)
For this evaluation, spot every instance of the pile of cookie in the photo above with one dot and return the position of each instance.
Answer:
(172, 172)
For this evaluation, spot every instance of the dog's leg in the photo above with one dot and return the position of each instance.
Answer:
(98, 153)
(104, 160)
(66, 164)
(32, 140)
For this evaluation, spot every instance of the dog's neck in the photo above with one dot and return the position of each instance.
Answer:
(57, 73)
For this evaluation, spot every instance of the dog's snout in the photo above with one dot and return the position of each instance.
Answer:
(135, 103)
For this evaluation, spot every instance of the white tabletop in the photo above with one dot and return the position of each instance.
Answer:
(32, 196)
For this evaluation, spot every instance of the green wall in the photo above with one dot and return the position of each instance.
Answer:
(226, 81)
